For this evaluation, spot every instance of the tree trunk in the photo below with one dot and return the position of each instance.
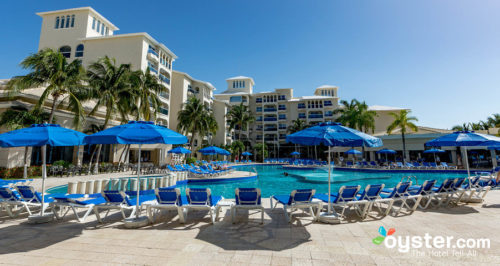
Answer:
(25, 173)
(121, 156)
(404, 146)
(96, 167)
(90, 162)
(53, 109)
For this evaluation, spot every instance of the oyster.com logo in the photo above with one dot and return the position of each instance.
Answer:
(383, 234)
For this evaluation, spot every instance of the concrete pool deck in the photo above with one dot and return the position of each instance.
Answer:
(276, 242)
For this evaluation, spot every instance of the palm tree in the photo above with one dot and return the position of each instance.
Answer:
(237, 147)
(348, 113)
(192, 119)
(93, 128)
(20, 117)
(297, 125)
(110, 88)
(239, 117)
(63, 82)
(147, 88)
(463, 127)
(404, 122)
(494, 120)
(365, 118)
(210, 125)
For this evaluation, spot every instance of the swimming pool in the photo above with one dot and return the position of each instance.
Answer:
(272, 180)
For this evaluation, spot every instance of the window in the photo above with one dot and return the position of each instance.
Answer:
(65, 51)
(79, 50)
(328, 103)
(243, 84)
(67, 21)
(57, 23)
(258, 100)
(259, 109)
(93, 23)
(235, 99)
(282, 117)
(72, 21)
(302, 115)
(62, 22)
(281, 107)
(98, 25)
(282, 97)
(107, 31)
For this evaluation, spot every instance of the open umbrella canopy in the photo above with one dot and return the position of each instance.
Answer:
(179, 150)
(42, 134)
(464, 138)
(386, 151)
(137, 132)
(434, 151)
(333, 134)
(213, 150)
(494, 148)
(295, 153)
(247, 154)
(352, 151)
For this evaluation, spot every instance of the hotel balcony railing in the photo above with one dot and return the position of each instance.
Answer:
(282, 128)
(164, 111)
(302, 116)
(152, 68)
(258, 101)
(315, 116)
(192, 90)
(270, 119)
(259, 129)
(270, 139)
(153, 52)
(259, 119)
(329, 114)
(165, 95)
(283, 118)
(271, 129)
(258, 110)
(282, 108)
(328, 104)
(283, 137)
(301, 106)
(270, 110)
(164, 79)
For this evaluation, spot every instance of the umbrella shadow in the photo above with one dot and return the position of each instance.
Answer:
(26, 237)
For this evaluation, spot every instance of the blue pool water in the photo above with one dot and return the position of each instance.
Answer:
(272, 181)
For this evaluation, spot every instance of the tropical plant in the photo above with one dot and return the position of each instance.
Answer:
(238, 117)
(63, 82)
(194, 118)
(348, 113)
(237, 147)
(260, 150)
(20, 117)
(365, 118)
(110, 88)
(147, 88)
(297, 125)
(403, 122)
(93, 128)
(463, 127)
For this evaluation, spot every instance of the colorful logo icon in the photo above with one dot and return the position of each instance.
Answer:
(383, 234)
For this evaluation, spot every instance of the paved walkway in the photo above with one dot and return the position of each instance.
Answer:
(247, 242)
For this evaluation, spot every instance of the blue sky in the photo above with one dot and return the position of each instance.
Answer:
(439, 58)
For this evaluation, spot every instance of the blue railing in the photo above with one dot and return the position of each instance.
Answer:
(165, 95)
(302, 106)
(164, 111)
(259, 109)
(270, 110)
(329, 114)
(302, 115)
(270, 129)
(164, 79)
(315, 116)
(281, 108)
(328, 103)
(270, 119)
(258, 100)
(282, 117)
(152, 69)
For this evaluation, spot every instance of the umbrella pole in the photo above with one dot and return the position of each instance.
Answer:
(435, 158)
(468, 170)
(44, 176)
(138, 182)
(329, 183)
(25, 172)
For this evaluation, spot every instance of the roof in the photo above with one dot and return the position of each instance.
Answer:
(421, 130)
(87, 8)
(385, 108)
(196, 80)
(138, 34)
(312, 97)
(235, 93)
(241, 77)
(326, 87)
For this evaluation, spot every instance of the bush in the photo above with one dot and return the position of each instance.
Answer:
(18, 172)
(190, 160)
(62, 163)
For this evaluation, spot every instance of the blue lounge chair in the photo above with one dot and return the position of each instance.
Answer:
(74, 202)
(346, 195)
(349, 164)
(10, 201)
(397, 193)
(425, 190)
(118, 200)
(456, 191)
(248, 199)
(439, 193)
(167, 199)
(298, 199)
(202, 199)
(434, 165)
(374, 164)
(369, 194)
(445, 165)
(172, 169)
(32, 198)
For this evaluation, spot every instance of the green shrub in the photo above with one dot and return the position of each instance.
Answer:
(190, 160)
(62, 163)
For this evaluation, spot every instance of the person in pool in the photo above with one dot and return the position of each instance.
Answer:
(285, 173)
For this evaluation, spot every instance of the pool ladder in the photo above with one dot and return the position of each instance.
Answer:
(409, 178)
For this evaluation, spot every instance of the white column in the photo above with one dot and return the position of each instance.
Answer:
(494, 158)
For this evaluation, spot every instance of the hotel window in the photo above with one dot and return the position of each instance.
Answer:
(65, 51)
(259, 109)
(282, 117)
(57, 23)
(235, 99)
(62, 22)
(93, 23)
(102, 29)
(98, 25)
(72, 21)
(79, 50)
(107, 31)
(67, 21)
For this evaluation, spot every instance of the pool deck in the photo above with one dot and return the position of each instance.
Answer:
(276, 242)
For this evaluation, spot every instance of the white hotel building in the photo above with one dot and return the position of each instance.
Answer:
(84, 34)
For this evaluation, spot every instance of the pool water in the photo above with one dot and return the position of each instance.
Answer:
(273, 181)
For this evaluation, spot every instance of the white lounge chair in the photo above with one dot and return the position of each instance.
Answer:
(299, 199)
(247, 199)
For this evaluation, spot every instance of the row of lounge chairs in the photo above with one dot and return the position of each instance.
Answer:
(400, 165)
(372, 199)
(204, 170)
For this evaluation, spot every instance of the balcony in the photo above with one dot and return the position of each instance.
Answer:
(270, 110)
(163, 111)
(271, 129)
(152, 68)
(152, 55)
(164, 79)
(282, 117)
(282, 128)
(282, 108)
(258, 110)
(258, 100)
(259, 119)
(165, 95)
(282, 136)
(270, 139)
(328, 103)
(315, 116)
(328, 114)
(301, 106)
(303, 116)
(270, 119)
(191, 90)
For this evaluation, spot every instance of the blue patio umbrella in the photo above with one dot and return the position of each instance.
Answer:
(434, 151)
(386, 151)
(179, 150)
(353, 151)
(213, 150)
(247, 154)
(137, 132)
(496, 148)
(464, 139)
(295, 153)
(41, 135)
(332, 135)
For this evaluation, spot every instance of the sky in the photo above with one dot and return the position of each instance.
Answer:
(440, 58)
